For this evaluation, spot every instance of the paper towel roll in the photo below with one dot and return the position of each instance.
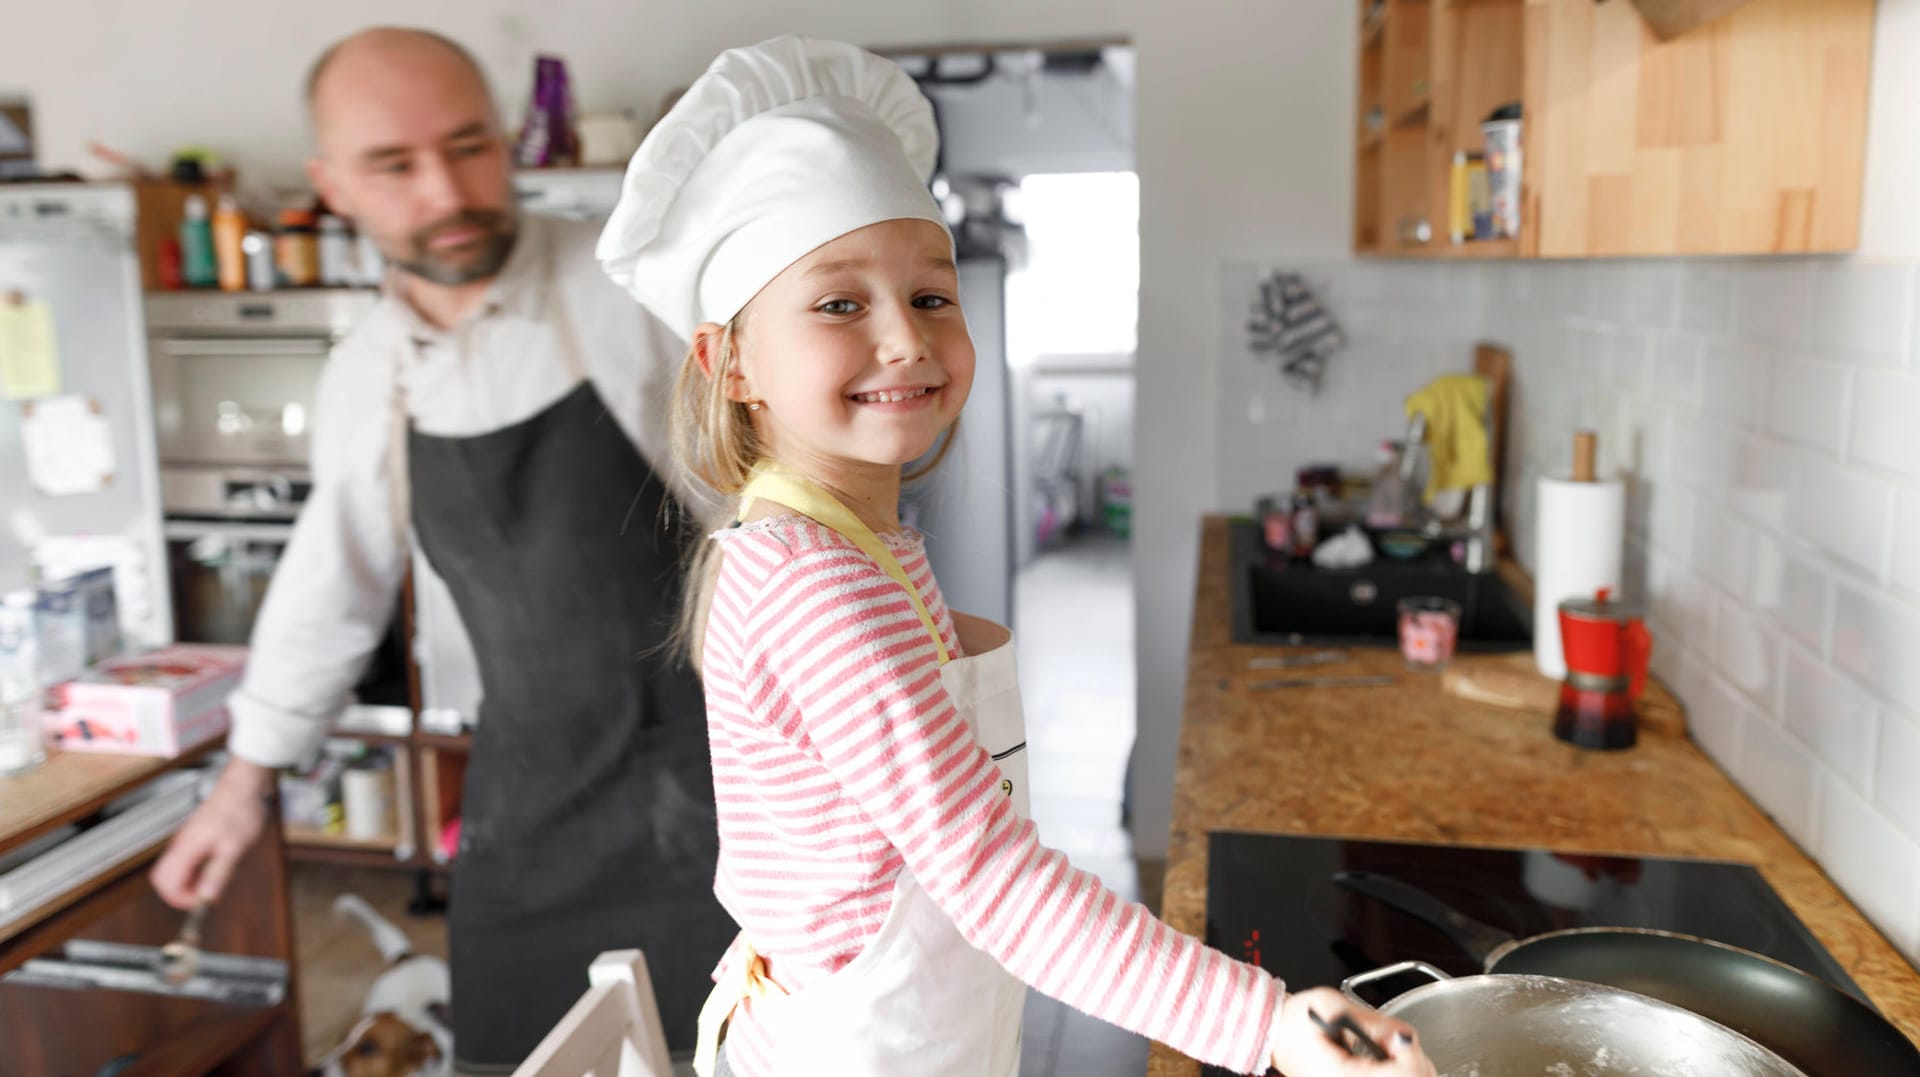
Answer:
(1580, 535)
(366, 795)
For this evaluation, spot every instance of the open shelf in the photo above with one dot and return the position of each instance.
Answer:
(309, 836)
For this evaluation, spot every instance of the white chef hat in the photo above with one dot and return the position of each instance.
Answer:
(779, 148)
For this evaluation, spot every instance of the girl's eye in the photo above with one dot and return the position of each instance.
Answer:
(932, 302)
(838, 306)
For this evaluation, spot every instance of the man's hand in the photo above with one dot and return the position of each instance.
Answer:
(203, 853)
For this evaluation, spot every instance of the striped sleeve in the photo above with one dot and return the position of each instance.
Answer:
(840, 665)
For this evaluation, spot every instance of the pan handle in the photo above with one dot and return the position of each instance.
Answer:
(1477, 939)
(1350, 986)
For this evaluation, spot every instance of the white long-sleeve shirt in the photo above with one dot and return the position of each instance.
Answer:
(332, 596)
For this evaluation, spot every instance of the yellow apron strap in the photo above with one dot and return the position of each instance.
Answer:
(804, 495)
(746, 978)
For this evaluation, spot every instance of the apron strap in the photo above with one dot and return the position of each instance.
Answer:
(745, 978)
(807, 497)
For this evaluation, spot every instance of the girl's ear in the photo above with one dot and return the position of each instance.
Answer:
(708, 339)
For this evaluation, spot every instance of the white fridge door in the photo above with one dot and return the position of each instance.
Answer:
(68, 250)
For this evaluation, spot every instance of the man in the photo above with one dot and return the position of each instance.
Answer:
(499, 408)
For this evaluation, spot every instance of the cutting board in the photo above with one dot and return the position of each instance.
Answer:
(1514, 683)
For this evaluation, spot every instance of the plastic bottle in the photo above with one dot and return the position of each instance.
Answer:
(197, 267)
(1387, 505)
(229, 233)
(22, 740)
(296, 249)
(336, 253)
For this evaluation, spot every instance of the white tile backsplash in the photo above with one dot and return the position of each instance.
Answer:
(1782, 777)
(1809, 402)
(1873, 861)
(1877, 639)
(1769, 413)
(1771, 300)
(1842, 513)
(1886, 421)
(1896, 787)
(1860, 309)
(1831, 715)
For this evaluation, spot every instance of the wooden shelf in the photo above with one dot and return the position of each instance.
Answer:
(1479, 248)
(383, 740)
(461, 743)
(305, 835)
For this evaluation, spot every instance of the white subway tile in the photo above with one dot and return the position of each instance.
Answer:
(1803, 609)
(1770, 301)
(1809, 402)
(1876, 638)
(1612, 285)
(1896, 787)
(1860, 310)
(1569, 288)
(1762, 480)
(1626, 359)
(1717, 721)
(1842, 512)
(1877, 865)
(1830, 714)
(1735, 380)
(1906, 542)
(1653, 293)
(1706, 297)
(1703, 452)
(1727, 549)
(1670, 516)
(1673, 369)
(1886, 421)
(1746, 650)
(1776, 769)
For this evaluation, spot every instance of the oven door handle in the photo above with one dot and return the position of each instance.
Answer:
(231, 530)
(189, 347)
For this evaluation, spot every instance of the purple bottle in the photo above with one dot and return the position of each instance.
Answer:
(547, 138)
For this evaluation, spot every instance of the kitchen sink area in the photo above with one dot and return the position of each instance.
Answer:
(1285, 601)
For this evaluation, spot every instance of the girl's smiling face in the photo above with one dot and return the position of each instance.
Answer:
(857, 353)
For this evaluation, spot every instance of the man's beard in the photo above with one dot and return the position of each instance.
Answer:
(481, 259)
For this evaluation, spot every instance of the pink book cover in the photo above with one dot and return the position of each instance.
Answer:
(161, 702)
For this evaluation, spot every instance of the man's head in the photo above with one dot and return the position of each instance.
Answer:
(407, 143)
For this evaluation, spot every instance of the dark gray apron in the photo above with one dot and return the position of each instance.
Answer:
(587, 819)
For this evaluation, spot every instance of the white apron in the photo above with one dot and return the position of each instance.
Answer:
(919, 999)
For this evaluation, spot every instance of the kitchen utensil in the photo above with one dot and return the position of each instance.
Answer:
(1429, 628)
(1295, 661)
(1510, 1024)
(1607, 649)
(1347, 1034)
(1402, 545)
(1375, 680)
(1512, 682)
(180, 959)
(1810, 1023)
(84, 964)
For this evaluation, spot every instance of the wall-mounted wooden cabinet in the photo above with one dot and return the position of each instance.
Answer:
(1745, 135)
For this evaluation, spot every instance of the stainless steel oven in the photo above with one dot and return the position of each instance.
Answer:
(234, 379)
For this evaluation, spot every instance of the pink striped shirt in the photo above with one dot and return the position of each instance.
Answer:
(839, 761)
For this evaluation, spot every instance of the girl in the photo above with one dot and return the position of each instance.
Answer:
(867, 744)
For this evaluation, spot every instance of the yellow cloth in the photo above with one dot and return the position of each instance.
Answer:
(1455, 406)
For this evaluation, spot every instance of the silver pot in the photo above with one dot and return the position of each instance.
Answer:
(1543, 1026)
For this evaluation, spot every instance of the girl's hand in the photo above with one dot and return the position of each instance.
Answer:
(1303, 1049)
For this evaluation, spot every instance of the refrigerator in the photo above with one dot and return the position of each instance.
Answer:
(965, 507)
(79, 474)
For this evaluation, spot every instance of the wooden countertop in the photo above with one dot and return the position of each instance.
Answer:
(71, 785)
(1407, 762)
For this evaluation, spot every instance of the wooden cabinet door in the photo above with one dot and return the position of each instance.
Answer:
(1746, 135)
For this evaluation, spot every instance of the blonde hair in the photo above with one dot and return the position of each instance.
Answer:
(714, 439)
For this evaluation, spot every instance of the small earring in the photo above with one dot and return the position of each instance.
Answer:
(755, 405)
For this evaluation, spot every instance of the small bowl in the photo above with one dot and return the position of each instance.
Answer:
(1402, 545)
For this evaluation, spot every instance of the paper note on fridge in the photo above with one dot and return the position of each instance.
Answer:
(29, 355)
(69, 446)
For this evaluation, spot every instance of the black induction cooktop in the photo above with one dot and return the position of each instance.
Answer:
(1272, 900)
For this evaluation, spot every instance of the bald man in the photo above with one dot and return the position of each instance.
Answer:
(504, 409)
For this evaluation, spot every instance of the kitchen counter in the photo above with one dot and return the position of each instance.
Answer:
(1407, 762)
